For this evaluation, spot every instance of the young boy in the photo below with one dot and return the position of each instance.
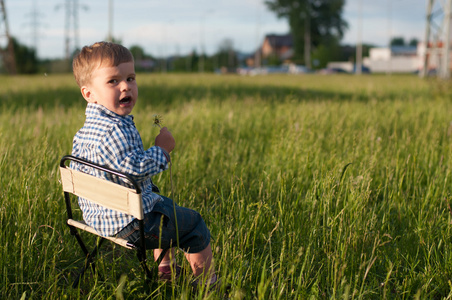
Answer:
(106, 76)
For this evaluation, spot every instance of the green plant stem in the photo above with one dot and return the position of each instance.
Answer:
(172, 191)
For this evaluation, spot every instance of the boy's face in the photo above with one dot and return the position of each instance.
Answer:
(114, 88)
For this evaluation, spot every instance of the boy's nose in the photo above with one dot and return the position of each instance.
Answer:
(125, 86)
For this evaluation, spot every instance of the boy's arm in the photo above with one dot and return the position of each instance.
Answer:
(124, 151)
(165, 140)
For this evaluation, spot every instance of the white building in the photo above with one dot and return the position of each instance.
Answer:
(397, 59)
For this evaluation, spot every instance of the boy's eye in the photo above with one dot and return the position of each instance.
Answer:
(130, 78)
(112, 81)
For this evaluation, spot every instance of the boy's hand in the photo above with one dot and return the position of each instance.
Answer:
(165, 140)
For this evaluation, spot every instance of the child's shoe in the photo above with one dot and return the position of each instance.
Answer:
(165, 273)
(213, 286)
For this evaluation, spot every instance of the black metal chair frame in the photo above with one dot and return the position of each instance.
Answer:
(90, 256)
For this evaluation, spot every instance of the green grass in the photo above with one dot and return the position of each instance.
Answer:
(322, 187)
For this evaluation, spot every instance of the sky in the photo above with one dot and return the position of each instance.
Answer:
(164, 28)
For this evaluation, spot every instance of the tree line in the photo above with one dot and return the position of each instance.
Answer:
(316, 26)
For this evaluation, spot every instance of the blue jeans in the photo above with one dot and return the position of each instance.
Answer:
(160, 228)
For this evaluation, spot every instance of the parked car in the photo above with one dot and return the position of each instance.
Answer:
(332, 71)
(364, 70)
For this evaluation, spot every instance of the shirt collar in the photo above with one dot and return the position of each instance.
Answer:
(94, 109)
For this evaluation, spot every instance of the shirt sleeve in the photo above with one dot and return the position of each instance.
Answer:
(123, 150)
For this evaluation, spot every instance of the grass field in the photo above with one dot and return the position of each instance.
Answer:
(313, 187)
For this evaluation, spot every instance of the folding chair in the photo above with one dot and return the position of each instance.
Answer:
(110, 195)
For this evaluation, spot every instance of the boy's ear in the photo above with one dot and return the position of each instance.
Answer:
(86, 93)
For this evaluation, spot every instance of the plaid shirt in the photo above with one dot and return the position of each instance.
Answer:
(112, 140)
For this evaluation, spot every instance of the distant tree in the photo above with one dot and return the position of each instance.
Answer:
(181, 64)
(326, 52)
(143, 62)
(25, 57)
(413, 42)
(114, 40)
(226, 56)
(226, 45)
(397, 41)
(193, 61)
(137, 52)
(272, 60)
(312, 23)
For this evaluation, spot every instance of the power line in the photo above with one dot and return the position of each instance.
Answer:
(110, 21)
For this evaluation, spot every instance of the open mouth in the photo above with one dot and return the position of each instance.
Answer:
(125, 100)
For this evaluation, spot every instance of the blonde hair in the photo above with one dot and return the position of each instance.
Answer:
(101, 54)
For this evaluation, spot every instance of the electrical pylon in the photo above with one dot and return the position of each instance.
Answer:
(35, 25)
(437, 38)
(71, 8)
(7, 53)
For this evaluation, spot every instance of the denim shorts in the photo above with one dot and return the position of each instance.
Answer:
(160, 228)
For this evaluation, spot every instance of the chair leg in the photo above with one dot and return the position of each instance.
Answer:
(153, 273)
(149, 276)
(89, 260)
(79, 240)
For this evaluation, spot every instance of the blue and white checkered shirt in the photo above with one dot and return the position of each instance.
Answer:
(112, 140)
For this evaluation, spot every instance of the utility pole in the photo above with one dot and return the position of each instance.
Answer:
(35, 26)
(75, 6)
(202, 24)
(7, 54)
(424, 70)
(110, 21)
(359, 45)
(389, 66)
(445, 65)
(67, 29)
(437, 37)
(257, 54)
(307, 36)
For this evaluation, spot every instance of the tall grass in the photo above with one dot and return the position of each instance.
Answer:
(312, 186)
